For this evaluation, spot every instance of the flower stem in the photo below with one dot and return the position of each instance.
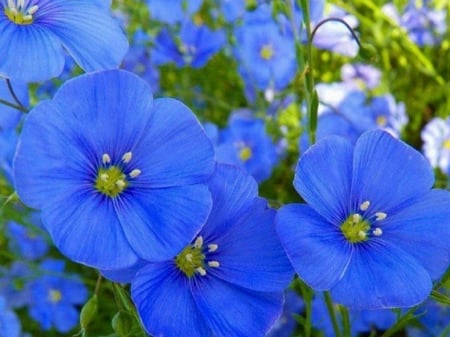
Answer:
(332, 313)
(12, 105)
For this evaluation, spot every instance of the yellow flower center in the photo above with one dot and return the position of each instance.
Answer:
(267, 52)
(446, 144)
(245, 153)
(381, 121)
(20, 14)
(54, 295)
(111, 181)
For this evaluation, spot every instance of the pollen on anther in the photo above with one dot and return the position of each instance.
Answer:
(214, 264)
(135, 173)
(362, 234)
(364, 206)
(380, 216)
(106, 159)
(198, 243)
(212, 247)
(33, 9)
(201, 271)
(104, 177)
(127, 157)
(120, 184)
(377, 231)
(189, 257)
(356, 218)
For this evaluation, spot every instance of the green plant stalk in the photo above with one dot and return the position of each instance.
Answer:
(332, 313)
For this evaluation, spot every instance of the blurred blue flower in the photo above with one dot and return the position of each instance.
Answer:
(246, 143)
(286, 324)
(266, 56)
(334, 36)
(360, 76)
(111, 166)
(39, 30)
(9, 322)
(436, 143)
(8, 144)
(27, 242)
(172, 11)
(232, 9)
(56, 296)
(235, 270)
(365, 225)
(424, 24)
(193, 46)
(14, 284)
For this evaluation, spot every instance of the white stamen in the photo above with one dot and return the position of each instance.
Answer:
(27, 17)
(377, 231)
(106, 159)
(364, 206)
(198, 243)
(33, 9)
(362, 234)
(104, 177)
(356, 218)
(212, 247)
(11, 4)
(127, 157)
(214, 264)
(380, 216)
(135, 173)
(201, 271)
(189, 257)
(120, 184)
(20, 4)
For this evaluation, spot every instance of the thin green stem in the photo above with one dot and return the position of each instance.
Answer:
(332, 313)
(350, 29)
(307, 298)
(14, 106)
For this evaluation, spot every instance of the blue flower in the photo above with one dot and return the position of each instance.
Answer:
(28, 242)
(13, 285)
(360, 76)
(172, 11)
(9, 322)
(436, 143)
(40, 30)
(229, 281)
(55, 296)
(116, 174)
(372, 223)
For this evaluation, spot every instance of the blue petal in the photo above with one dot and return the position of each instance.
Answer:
(382, 276)
(177, 149)
(423, 230)
(323, 178)
(65, 317)
(317, 250)
(88, 32)
(387, 172)
(84, 226)
(159, 223)
(165, 304)
(232, 311)
(30, 52)
(123, 275)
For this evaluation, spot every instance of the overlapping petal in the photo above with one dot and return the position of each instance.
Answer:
(382, 276)
(232, 311)
(387, 172)
(85, 228)
(165, 304)
(323, 178)
(159, 223)
(318, 251)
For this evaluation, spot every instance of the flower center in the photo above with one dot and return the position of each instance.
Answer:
(112, 179)
(446, 144)
(381, 121)
(19, 13)
(266, 52)
(54, 295)
(192, 259)
(356, 227)
(245, 153)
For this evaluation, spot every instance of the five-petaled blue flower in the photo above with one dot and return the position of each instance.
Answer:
(229, 281)
(35, 33)
(374, 232)
(116, 174)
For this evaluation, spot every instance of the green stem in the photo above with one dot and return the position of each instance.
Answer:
(12, 105)
(332, 313)
(307, 298)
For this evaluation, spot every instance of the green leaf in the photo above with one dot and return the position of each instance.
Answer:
(88, 312)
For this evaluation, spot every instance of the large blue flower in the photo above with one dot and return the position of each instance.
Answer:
(229, 281)
(116, 174)
(374, 232)
(38, 30)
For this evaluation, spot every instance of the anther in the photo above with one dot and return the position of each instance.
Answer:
(362, 234)
(201, 271)
(198, 242)
(377, 231)
(212, 247)
(106, 159)
(356, 218)
(120, 184)
(189, 257)
(27, 17)
(104, 177)
(127, 157)
(364, 206)
(380, 216)
(33, 9)
(135, 173)
(214, 264)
